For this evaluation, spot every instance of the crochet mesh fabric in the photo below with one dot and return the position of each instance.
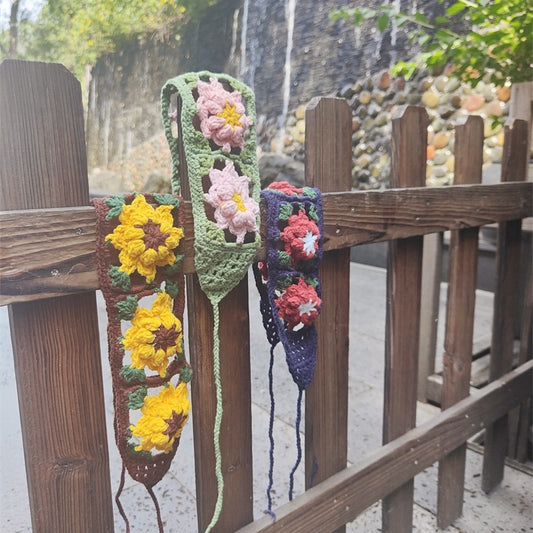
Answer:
(122, 293)
(218, 128)
(220, 263)
(293, 260)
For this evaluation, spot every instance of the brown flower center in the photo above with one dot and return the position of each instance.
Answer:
(153, 236)
(174, 423)
(165, 338)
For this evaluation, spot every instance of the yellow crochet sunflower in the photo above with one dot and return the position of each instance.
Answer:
(163, 419)
(155, 335)
(145, 237)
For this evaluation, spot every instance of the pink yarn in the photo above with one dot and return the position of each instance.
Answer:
(285, 187)
(299, 304)
(300, 237)
(222, 115)
(229, 195)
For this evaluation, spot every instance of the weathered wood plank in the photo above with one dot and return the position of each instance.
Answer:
(515, 151)
(236, 430)
(402, 326)
(457, 358)
(351, 218)
(342, 497)
(328, 162)
(55, 342)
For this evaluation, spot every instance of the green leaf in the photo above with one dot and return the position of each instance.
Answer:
(455, 8)
(382, 22)
(285, 211)
(126, 308)
(119, 279)
(186, 374)
(171, 288)
(132, 374)
(313, 213)
(115, 204)
(166, 199)
(136, 398)
(172, 270)
(284, 258)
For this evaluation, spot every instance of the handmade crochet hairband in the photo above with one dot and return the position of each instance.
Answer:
(137, 238)
(289, 288)
(218, 133)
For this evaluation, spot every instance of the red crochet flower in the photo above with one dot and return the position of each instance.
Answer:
(300, 237)
(299, 304)
(285, 187)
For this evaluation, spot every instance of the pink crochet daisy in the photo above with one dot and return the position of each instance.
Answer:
(222, 115)
(234, 209)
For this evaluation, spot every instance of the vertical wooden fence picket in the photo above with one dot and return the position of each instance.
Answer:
(55, 341)
(515, 152)
(457, 357)
(328, 166)
(404, 276)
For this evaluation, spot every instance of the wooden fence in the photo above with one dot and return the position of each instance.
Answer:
(48, 278)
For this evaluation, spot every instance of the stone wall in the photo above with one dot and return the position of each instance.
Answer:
(375, 99)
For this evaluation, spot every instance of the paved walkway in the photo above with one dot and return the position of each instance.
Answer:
(508, 509)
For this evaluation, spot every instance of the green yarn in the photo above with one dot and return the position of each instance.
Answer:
(220, 264)
(126, 308)
(115, 204)
(132, 374)
(136, 398)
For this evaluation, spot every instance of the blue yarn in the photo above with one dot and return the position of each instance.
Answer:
(298, 443)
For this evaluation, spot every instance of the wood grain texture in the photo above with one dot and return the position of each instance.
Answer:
(328, 166)
(342, 497)
(236, 428)
(515, 151)
(457, 358)
(402, 325)
(350, 218)
(55, 342)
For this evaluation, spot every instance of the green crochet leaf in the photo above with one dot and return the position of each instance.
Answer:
(166, 199)
(313, 213)
(171, 288)
(186, 374)
(119, 279)
(284, 258)
(309, 191)
(172, 270)
(115, 204)
(126, 308)
(312, 281)
(136, 398)
(285, 211)
(132, 374)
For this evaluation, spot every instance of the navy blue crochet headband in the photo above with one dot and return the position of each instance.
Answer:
(289, 289)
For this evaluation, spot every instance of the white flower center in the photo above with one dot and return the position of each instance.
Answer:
(309, 242)
(306, 308)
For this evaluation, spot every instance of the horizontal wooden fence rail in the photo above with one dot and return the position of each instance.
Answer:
(341, 498)
(51, 252)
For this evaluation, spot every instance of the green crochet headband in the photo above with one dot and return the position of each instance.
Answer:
(218, 128)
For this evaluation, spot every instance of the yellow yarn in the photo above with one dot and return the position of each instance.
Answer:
(155, 335)
(163, 418)
(145, 238)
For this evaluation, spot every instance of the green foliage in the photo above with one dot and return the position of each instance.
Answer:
(78, 32)
(497, 45)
